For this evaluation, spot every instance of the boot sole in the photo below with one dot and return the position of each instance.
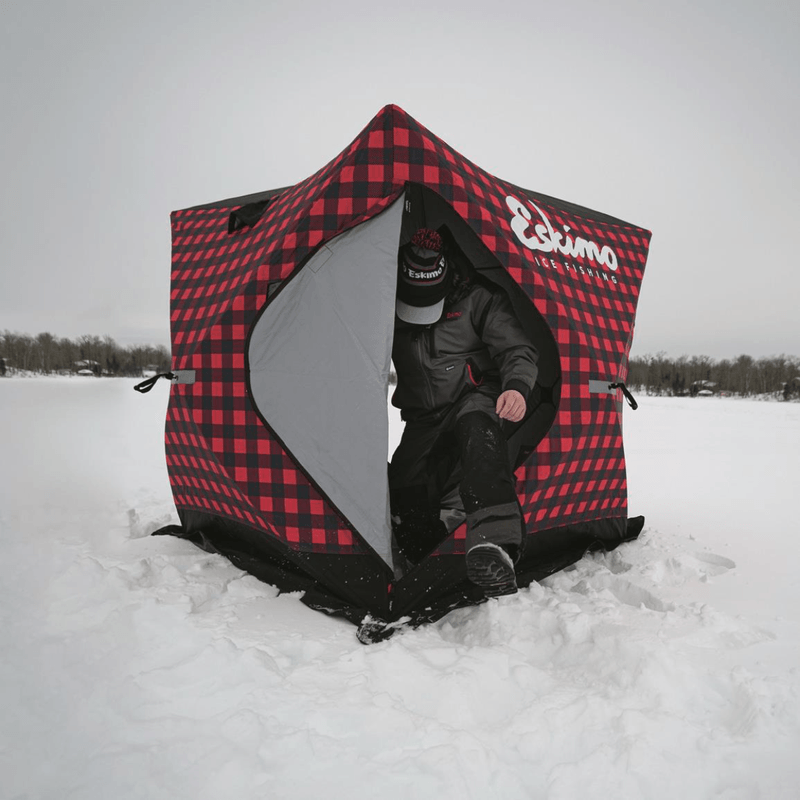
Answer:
(489, 569)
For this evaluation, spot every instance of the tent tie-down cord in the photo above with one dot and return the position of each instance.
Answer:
(145, 386)
(628, 396)
(186, 376)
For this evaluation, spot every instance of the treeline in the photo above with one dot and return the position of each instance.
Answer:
(650, 374)
(47, 354)
(691, 375)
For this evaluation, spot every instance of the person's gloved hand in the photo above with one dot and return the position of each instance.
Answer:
(511, 406)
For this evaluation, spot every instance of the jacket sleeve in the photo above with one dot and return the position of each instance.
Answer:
(508, 344)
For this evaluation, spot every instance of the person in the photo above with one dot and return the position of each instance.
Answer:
(465, 368)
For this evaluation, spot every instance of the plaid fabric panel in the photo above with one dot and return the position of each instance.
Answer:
(225, 482)
(221, 457)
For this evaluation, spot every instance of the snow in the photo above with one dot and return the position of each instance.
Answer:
(140, 667)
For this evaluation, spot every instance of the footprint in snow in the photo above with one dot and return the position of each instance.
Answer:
(714, 564)
(625, 592)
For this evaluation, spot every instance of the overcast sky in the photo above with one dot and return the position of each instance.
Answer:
(681, 117)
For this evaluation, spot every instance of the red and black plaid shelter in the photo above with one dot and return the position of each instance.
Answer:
(282, 317)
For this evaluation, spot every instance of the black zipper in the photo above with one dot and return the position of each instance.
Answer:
(419, 341)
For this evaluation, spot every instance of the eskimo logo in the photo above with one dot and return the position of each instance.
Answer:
(431, 276)
(547, 239)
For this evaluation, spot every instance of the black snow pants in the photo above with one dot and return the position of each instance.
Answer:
(459, 462)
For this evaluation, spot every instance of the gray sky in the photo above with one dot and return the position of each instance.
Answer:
(682, 117)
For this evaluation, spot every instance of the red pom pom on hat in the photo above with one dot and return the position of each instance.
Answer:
(427, 238)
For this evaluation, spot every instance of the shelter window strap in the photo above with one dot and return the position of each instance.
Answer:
(246, 216)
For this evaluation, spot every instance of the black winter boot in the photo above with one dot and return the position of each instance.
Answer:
(490, 567)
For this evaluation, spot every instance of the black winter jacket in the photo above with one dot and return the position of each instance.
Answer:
(478, 345)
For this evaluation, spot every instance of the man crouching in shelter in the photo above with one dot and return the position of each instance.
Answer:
(465, 368)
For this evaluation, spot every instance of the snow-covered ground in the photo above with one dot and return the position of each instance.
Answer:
(140, 667)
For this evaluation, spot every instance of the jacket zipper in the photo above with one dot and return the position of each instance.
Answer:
(419, 340)
(472, 375)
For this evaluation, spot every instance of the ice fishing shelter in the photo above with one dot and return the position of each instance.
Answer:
(282, 313)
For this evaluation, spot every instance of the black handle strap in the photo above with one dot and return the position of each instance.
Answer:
(145, 386)
(628, 396)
